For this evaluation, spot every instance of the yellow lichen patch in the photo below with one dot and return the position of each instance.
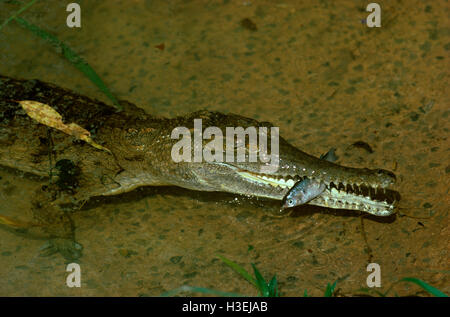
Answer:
(48, 116)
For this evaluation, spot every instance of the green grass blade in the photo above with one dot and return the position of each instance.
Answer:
(203, 290)
(16, 14)
(430, 289)
(330, 289)
(261, 282)
(273, 287)
(238, 269)
(72, 57)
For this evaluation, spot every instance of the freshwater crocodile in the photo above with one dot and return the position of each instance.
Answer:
(140, 155)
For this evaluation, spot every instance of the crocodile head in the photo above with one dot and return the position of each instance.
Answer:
(345, 187)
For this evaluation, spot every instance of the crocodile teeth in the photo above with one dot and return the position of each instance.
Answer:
(349, 188)
(272, 181)
(338, 194)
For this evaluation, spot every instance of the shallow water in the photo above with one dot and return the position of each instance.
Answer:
(311, 68)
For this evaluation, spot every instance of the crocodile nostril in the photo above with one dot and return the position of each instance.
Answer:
(390, 174)
(381, 172)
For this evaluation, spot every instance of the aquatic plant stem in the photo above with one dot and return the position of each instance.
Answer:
(15, 15)
(72, 57)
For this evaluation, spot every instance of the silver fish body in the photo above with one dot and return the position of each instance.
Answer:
(303, 192)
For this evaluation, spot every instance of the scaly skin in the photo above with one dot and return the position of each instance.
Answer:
(141, 156)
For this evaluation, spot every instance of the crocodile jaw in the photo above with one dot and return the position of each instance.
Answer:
(371, 199)
(342, 200)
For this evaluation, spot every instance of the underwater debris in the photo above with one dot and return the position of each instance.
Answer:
(249, 24)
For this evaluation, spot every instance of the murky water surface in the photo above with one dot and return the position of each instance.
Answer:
(310, 67)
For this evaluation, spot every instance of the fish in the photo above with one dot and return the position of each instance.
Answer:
(330, 156)
(307, 189)
(303, 192)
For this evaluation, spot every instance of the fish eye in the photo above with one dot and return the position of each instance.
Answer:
(291, 202)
